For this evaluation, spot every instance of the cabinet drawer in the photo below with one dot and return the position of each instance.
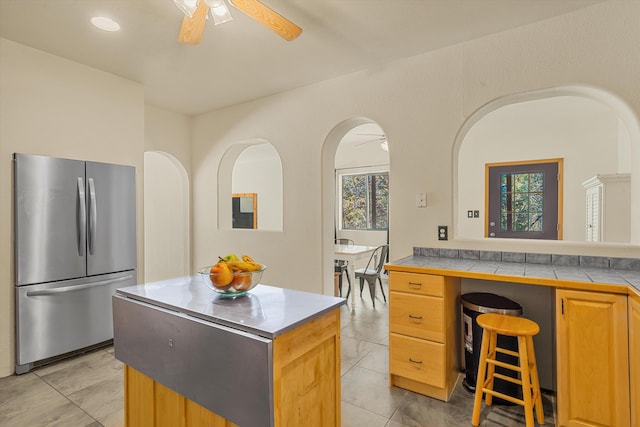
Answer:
(417, 359)
(422, 284)
(416, 315)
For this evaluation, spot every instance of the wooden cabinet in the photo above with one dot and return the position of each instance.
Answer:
(634, 357)
(306, 385)
(608, 208)
(592, 359)
(423, 333)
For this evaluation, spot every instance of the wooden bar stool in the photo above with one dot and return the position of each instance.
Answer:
(524, 329)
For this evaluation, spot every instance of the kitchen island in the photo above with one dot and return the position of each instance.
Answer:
(270, 358)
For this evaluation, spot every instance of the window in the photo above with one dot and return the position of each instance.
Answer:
(524, 199)
(365, 201)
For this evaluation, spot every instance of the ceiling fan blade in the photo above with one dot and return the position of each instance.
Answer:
(269, 18)
(192, 27)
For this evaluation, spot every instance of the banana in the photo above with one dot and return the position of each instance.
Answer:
(244, 265)
(253, 265)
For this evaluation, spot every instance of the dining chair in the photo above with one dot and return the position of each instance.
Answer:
(371, 273)
(340, 266)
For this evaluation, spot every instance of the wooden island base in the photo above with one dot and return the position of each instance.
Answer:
(306, 385)
(149, 403)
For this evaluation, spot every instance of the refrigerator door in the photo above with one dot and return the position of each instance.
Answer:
(111, 218)
(49, 219)
(57, 318)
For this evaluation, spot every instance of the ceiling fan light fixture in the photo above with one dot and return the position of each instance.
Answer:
(219, 11)
(186, 6)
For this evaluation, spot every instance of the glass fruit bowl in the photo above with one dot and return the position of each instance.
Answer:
(241, 283)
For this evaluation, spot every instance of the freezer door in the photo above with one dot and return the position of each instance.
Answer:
(111, 218)
(61, 317)
(49, 217)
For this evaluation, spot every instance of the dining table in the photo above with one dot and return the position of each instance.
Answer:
(351, 254)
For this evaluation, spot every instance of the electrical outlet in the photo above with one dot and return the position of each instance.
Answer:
(442, 232)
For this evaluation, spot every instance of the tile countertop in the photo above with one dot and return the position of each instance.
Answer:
(577, 277)
(267, 311)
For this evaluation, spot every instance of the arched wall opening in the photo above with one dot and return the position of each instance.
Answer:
(252, 166)
(329, 196)
(628, 127)
(166, 217)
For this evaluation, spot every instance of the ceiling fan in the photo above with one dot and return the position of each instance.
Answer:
(380, 138)
(196, 13)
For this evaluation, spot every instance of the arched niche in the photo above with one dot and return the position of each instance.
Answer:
(166, 217)
(251, 167)
(593, 130)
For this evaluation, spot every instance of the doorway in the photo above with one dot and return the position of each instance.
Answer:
(355, 154)
(166, 217)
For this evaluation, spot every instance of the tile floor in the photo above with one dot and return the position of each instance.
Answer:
(88, 390)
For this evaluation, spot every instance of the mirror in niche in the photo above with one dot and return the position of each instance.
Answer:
(587, 134)
(257, 173)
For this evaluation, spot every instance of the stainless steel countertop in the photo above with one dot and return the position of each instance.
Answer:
(609, 276)
(267, 311)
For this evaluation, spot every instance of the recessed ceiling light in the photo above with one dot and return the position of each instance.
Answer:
(104, 23)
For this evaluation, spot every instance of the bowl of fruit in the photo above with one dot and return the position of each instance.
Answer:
(232, 276)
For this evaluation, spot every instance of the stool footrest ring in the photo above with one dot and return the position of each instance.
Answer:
(505, 365)
(503, 396)
(509, 352)
(507, 378)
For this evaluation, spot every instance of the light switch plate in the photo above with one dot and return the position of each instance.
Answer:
(421, 200)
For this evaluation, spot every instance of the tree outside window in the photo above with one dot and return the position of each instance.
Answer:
(365, 201)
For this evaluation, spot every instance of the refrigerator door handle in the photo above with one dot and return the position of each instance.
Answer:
(77, 287)
(93, 214)
(81, 219)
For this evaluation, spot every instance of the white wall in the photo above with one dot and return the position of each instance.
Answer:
(624, 149)
(55, 107)
(168, 132)
(421, 103)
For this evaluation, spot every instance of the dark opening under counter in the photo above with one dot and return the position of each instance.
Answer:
(267, 358)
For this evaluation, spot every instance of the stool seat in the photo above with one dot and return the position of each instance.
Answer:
(494, 324)
(503, 324)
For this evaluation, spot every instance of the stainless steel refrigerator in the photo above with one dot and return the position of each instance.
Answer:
(74, 245)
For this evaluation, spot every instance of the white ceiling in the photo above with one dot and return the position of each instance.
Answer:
(241, 60)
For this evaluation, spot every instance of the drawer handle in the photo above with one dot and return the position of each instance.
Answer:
(419, 362)
(415, 285)
(412, 317)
